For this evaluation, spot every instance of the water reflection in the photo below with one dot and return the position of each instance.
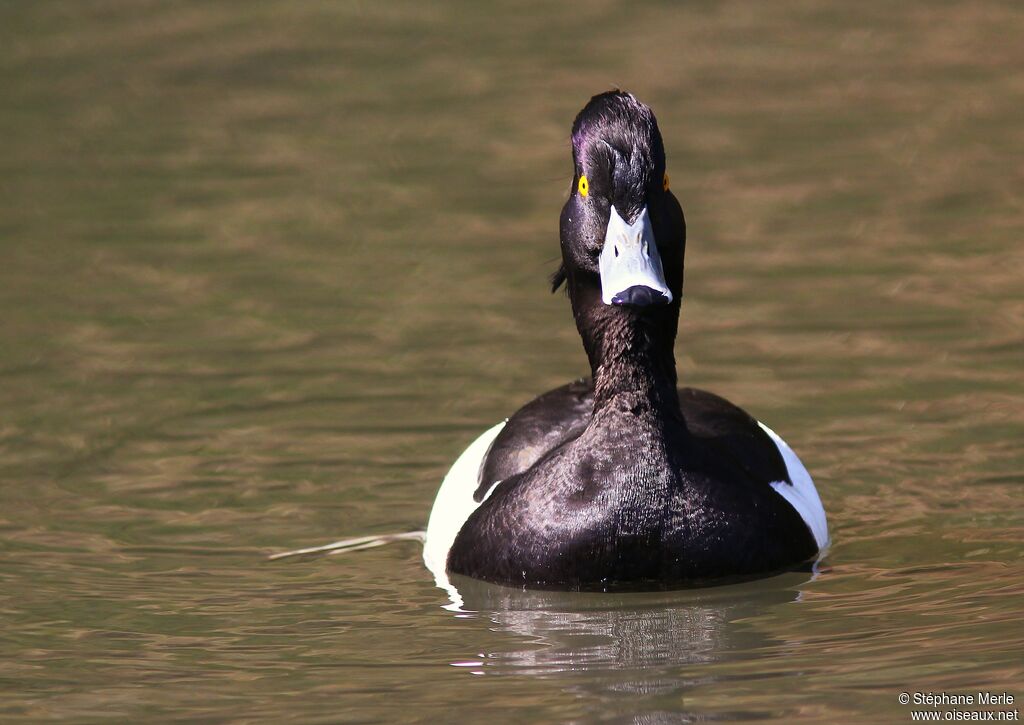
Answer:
(573, 631)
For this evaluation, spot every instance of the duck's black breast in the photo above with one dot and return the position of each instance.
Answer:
(628, 503)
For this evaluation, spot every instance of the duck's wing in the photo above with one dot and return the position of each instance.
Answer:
(561, 414)
(740, 441)
(725, 431)
(540, 426)
(733, 434)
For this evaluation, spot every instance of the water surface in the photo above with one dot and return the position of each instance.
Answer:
(268, 267)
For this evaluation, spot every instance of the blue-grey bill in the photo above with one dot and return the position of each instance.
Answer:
(630, 262)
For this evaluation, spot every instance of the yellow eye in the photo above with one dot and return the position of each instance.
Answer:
(664, 182)
(584, 186)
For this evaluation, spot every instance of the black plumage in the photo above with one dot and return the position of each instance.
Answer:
(622, 481)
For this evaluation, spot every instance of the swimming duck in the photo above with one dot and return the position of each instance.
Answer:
(621, 481)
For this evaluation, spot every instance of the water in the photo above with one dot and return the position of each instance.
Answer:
(268, 267)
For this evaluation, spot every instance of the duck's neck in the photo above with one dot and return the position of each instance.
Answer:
(634, 367)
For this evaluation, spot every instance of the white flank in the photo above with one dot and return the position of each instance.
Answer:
(801, 494)
(453, 505)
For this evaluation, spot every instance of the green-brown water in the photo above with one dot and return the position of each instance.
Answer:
(268, 267)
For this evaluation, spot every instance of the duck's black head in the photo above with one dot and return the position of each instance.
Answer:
(622, 230)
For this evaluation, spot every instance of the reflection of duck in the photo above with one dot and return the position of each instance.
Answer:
(566, 631)
(624, 482)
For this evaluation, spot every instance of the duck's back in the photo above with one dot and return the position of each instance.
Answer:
(576, 503)
(560, 415)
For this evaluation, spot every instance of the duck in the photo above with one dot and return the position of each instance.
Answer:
(623, 481)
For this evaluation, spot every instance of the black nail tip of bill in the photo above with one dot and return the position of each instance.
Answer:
(639, 296)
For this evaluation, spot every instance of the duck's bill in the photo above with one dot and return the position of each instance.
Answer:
(631, 271)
